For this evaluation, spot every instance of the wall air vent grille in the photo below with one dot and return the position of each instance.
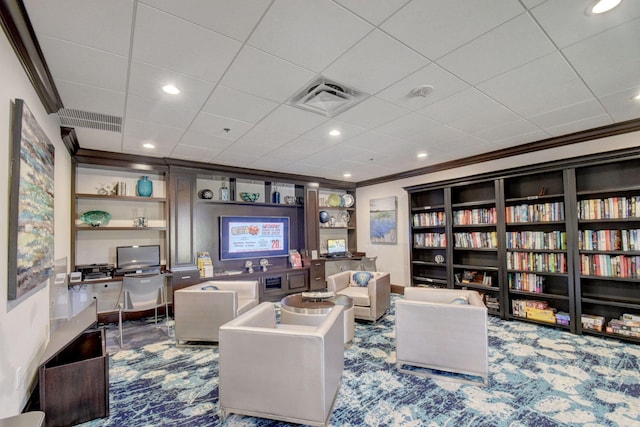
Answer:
(85, 119)
(327, 98)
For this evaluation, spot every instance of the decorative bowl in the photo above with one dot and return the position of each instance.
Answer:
(95, 218)
(206, 194)
(249, 197)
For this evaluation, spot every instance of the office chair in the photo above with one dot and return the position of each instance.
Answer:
(141, 293)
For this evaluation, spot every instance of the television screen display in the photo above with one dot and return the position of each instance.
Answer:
(138, 259)
(336, 247)
(253, 236)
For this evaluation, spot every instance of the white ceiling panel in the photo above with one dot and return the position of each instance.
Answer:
(374, 63)
(505, 73)
(308, 32)
(233, 18)
(436, 28)
(169, 42)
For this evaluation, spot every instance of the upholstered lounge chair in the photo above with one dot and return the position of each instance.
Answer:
(283, 372)
(371, 296)
(201, 309)
(442, 330)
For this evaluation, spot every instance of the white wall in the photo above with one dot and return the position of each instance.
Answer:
(395, 258)
(24, 330)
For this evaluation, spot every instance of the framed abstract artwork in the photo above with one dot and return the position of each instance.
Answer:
(31, 226)
(383, 220)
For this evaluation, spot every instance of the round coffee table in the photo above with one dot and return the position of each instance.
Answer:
(296, 309)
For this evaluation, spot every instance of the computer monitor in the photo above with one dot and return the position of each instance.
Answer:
(336, 247)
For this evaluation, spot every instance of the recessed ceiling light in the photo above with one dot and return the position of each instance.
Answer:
(602, 6)
(422, 155)
(148, 145)
(334, 132)
(347, 175)
(637, 97)
(171, 89)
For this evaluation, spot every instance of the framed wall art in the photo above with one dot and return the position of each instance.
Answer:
(31, 227)
(383, 220)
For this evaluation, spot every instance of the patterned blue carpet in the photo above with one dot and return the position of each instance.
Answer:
(539, 376)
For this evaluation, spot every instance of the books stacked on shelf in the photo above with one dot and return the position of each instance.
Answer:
(533, 310)
(619, 266)
(609, 240)
(424, 219)
(592, 322)
(627, 325)
(476, 240)
(528, 282)
(552, 240)
(492, 302)
(551, 262)
(610, 208)
(205, 265)
(563, 318)
(430, 240)
(540, 212)
(475, 216)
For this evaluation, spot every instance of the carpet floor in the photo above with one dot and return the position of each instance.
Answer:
(539, 376)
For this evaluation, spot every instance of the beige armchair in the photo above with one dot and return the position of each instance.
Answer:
(371, 301)
(200, 310)
(283, 372)
(433, 331)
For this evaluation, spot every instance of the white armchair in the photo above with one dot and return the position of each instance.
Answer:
(201, 309)
(433, 331)
(283, 372)
(370, 301)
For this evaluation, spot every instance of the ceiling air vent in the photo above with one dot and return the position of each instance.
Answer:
(85, 119)
(327, 98)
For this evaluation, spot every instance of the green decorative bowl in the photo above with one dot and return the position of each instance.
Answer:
(249, 197)
(95, 218)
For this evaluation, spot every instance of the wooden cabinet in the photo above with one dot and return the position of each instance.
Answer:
(338, 207)
(317, 279)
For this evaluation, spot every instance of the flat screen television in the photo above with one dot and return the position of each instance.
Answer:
(138, 259)
(244, 237)
(336, 247)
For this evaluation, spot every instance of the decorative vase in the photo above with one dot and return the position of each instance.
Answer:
(275, 197)
(224, 191)
(145, 187)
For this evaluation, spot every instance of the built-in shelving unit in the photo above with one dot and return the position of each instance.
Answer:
(429, 239)
(339, 205)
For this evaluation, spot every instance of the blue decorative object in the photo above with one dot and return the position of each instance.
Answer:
(324, 217)
(459, 300)
(145, 187)
(361, 278)
(275, 197)
(249, 197)
(209, 288)
(95, 218)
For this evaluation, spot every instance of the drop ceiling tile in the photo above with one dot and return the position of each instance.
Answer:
(192, 153)
(321, 30)
(377, 143)
(213, 125)
(436, 28)
(407, 126)
(268, 163)
(147, 81)
(525, 138)
(621, 106)
(293, 120)
(155, 111)
(506, 130)
(444, 84)
(185, 47)
(83, 65)
(92, 99)
(101, 25)
(235, 18)
(567, 23)
(508, 46)
(568, 114)
(595, 57)
(265, 75)
(94, 139)
(137, 133)
(374, 63)
(321, 133)
(202, 140)
(372, 112)
(374, 11)
(579, 125)
(442, 137)
(238, 105)
(534, 88)
(263, 138)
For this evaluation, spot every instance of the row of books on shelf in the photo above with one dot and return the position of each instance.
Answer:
(609, 240)
(609, 208)
(627, 325)
(424, 219)
(539, 212)
(476, 240)
(548, 262)
(537, 240)
(619, 266)
(539, 311)
(429, 240)
(475, 216)
(528, 282)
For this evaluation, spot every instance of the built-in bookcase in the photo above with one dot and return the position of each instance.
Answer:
(429, 239)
